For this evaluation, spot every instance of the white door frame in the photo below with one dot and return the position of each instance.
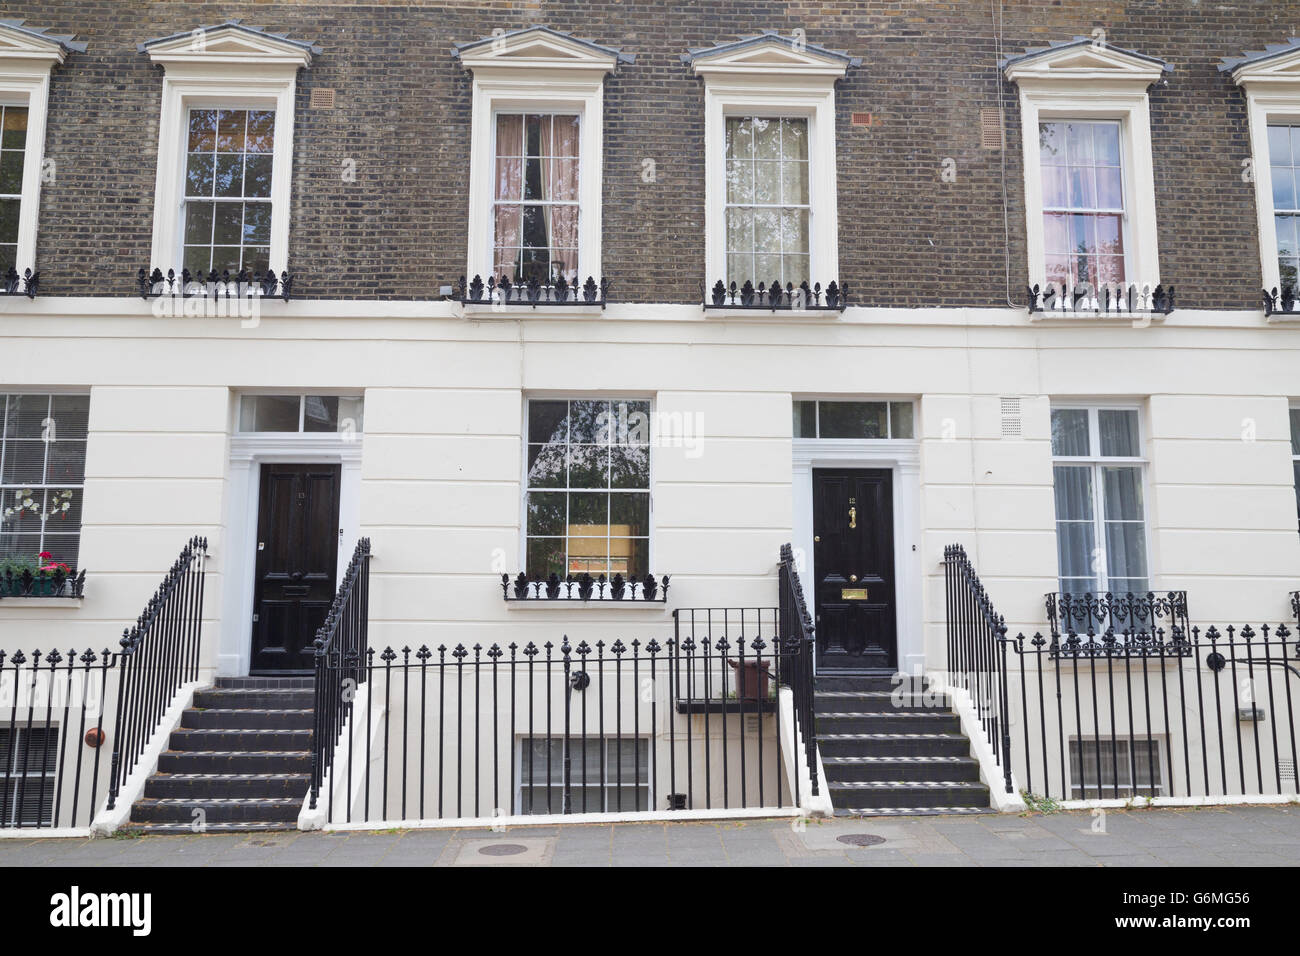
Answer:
(247, 455)
(903, 459)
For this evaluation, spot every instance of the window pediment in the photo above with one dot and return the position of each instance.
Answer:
(1277, 63)
(538, 47)
(18, 42)
(229, 43)
(770, 53)
(1084, 59)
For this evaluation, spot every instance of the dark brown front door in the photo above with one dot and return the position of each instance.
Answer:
(297, 555)
(853, 560)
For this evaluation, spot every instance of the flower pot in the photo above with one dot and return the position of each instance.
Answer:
(751, 678)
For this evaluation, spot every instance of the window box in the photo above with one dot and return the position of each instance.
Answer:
(586, 589)
(533, 293)
(46, 585)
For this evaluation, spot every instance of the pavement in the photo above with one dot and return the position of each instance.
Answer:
(1203, 836)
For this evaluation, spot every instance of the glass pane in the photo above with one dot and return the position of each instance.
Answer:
(1051, 143)
(229, 179)
(1122, 489)
(588, 555)
(198, 223)
(203, 131)
(546, 512)
(268, 413)
(546, 466)
(1070, 432)
(1279, 145)
(261, 131)
(1075, 551)
(228, 223)
(14, 135)
(320, 413)
(588, 514)
(1295, 431)
(854, 419)
(1283, 188)
(69, 417)
(805, 419)
(589, 466)
(1119, 432)
(24, 462)
(1106, 144)
(547, 421)
(740, 181)
(740, 138)
(1126, 556)
(589, 422)
(767, 138)
(352, 412)
(257, 223)
(65, 462)
(230, 130)
(257, 177)
(9, 211)
(900, 420)
(1286, 235)
(1072, 487)
(629, 557)
(200, 173)
(545, 557)
(629, 514)
(629, 468)
(794, 139)
(11, 171)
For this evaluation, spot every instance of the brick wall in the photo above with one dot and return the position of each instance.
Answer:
(403, 112)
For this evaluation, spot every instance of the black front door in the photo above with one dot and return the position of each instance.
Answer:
(853, 560)
(297, 555)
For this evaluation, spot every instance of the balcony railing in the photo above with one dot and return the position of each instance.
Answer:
(584, 587)
(1281, 303)
(191, 285)
(1110, 299)
(534, 292)
(774, 298)
(1118, 625)
(26, 284)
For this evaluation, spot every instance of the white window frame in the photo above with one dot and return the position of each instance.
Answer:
(1095, 462)
(26, 61)
(1272, 97)
(771, 78)
(226, 67)
(16, 746)
(524, 489)
(536, 70)
(1089, 82)
(607, 785)
(1295, 458)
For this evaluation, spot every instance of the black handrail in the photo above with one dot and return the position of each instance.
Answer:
(977, 652)
(159, 654)
(341, 645)
(797, 642)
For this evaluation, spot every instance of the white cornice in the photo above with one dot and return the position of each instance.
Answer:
(228, 44)
(770, 55)
(537, 48)
(23, 49)
(1085, 63)
(1280, 70)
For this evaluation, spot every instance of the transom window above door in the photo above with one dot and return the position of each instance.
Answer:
(1098, 475)
(536, 204)
(227, 209)
(768, 208)
(844, 419)
(587, 497)
(340, 414)
(1083, 202)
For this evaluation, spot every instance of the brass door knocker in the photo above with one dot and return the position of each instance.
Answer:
(853, 513)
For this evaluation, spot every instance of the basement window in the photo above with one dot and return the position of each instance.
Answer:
(27, 772)
(605, 776)
(1107, 769)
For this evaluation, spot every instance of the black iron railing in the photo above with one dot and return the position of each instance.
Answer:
(1132, 625)
(774, 298)
(42, 584)
(797, 641)
(342, 644)
(471, 732)
(1209, 714)
(1109, 299)
(533, 292)
(584, 587)
(190, 285)
(976, 652)
(52, 727)
(159, 654)
(27, 284)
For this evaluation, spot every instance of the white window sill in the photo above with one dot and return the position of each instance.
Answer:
(43, 603)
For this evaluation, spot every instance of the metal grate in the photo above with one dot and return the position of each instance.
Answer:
(860, 119)
(322, 98)
(991, 129)
(1010, 409)
(1286, 769)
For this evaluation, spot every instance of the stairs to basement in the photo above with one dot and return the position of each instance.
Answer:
(242, 755)
(884, 759)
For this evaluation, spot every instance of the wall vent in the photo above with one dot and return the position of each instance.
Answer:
(991, 136)
(322, 98)
(1010, 408)
(1286, 769)
(860, 119)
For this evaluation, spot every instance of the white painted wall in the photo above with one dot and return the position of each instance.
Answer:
(441, 457)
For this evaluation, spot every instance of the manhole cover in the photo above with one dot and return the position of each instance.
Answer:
(502, 849)
(861, 839)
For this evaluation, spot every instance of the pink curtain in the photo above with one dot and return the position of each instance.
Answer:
(561, 176)
(509, 190)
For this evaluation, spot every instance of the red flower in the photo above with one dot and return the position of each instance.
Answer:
(45, 555)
